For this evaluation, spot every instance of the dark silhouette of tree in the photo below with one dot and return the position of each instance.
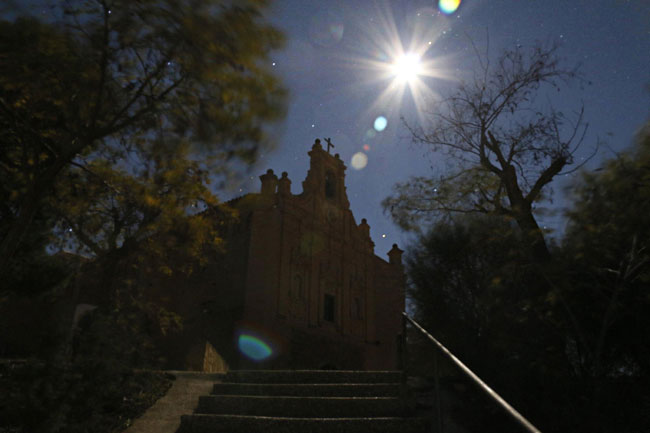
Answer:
(608, 239)
(472, 286)
(115, 116)
(504, 147)
(562, 341)
(601, 302)
(453, 269)
(98, 86)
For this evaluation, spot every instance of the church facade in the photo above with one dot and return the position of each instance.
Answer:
(298, 287)
(311, 286)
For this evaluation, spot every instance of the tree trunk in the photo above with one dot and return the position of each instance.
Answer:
(533, 236)
(30, 205)
(523, 213)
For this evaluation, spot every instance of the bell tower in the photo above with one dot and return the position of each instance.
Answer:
(325, 180)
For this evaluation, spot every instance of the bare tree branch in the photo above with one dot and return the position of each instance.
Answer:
(492, 122)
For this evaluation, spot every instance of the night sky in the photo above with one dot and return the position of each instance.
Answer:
(332, 65)
(337, 67)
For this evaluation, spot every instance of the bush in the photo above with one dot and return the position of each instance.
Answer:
(93, 389)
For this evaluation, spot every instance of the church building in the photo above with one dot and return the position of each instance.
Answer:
(301, 287)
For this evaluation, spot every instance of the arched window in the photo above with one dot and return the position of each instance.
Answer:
(329, 307)
(330, 185)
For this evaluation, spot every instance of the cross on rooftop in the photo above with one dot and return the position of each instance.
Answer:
(329, 144)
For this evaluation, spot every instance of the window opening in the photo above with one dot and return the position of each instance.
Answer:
(330, 185)
(328, 308)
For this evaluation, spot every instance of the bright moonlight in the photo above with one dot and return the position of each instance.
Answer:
(407, 67)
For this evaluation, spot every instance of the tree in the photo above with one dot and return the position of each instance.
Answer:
(562, 342)
(114, 119)
(608, 245)
(461, 271)
(104, 208)
(598, 292)
(114, 74)
(472, 287)
(159, 219)
(504, 147)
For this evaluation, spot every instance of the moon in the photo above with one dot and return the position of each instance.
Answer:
(407, 67)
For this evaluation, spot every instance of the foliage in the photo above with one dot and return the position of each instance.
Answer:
(34, 394)
(474, 289)
(459, 272)
(504, 147)
(562, 341)
(89, 384)
(98, 390)
(30, 255)
(470, 282)
(112, 76)
(152, 207)
(600, 299)
(611, 204)
(608, 247)
(116, 117)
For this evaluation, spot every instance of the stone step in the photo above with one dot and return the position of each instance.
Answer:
(207, 423)
(304, 407)
(310, 389)
(316, 401)
(311, 376)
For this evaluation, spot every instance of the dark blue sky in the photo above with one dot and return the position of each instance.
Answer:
(335, 94)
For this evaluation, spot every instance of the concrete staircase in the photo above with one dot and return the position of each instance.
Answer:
(306, 401)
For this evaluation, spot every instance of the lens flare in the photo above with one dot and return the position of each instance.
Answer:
(366, 147)
(380, 123)
(326, 29)
(448, 6)
(359, 161)
(254, 348)
(336, 30)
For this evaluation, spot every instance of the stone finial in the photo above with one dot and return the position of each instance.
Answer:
(284, 184)
(317, 145)
(365, 228)
(395, 255)
(269, 182)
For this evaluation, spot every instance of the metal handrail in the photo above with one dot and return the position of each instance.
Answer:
(489, 391)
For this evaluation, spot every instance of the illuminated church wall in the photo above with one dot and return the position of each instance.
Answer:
(313, 288)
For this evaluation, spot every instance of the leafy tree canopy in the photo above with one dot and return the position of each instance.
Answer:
(611, 205)
(472, 286)
(607, 247)
(115, 91)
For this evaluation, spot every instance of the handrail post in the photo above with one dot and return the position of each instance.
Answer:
(436, 378)
(403, 353)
